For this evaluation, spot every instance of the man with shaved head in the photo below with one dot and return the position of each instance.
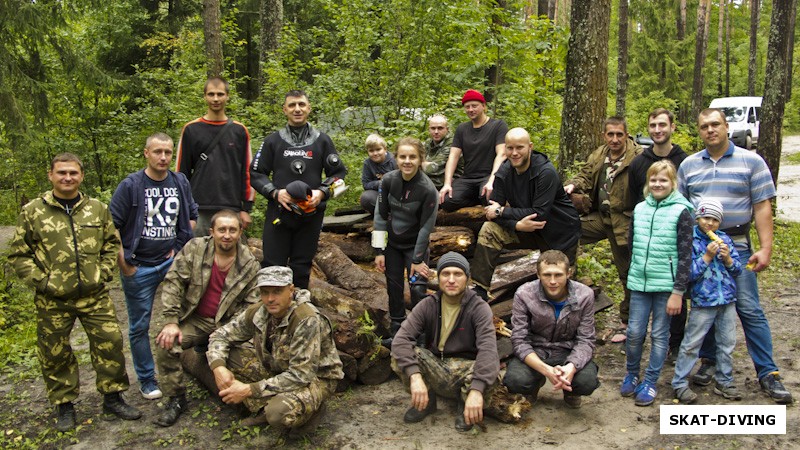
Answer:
(528, 209)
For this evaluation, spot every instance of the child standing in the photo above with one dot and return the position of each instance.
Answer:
(406, 209)
(661, 255)
(715, 265)
(378, 163)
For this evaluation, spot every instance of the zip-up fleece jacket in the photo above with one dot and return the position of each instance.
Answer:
(547, 200)
(129, 210)
(64, 256)
(536, 329)
(473, 337)
(370, 171)
(660, 245)
(637, 177)
(188, 277)
(301, 350)
(713, 284)
(620, 198)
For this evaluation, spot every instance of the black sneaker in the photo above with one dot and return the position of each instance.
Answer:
(65, 417)
(771, 384)
(705, 374)
(413, 415)
(172, 410)
(114, 405)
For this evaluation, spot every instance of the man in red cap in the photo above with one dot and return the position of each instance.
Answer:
(482, 142)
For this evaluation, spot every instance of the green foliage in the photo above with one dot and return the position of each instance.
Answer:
(17, 327)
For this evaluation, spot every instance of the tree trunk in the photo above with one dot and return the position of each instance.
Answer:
(790, 50)
(681, 21)
(701, 45)
(775, 77)
(728, 50)
(271, 15)
(720, 43)
(585, 94)
(213, 37)
(551, 9)
(622, 58)
(543, 8)
(752, 67)
(681, 35)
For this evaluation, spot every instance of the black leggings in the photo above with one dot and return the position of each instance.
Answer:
(398, 262)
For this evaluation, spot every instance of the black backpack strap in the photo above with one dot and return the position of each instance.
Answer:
(210, 149)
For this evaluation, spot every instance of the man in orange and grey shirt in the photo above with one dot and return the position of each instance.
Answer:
(214, 153)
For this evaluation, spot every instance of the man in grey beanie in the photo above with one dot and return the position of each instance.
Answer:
(457, 353)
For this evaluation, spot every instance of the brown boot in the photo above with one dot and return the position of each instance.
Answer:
(310, 426)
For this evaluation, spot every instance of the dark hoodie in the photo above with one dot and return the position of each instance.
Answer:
(637, 173)
(473, 337)
(545, 197)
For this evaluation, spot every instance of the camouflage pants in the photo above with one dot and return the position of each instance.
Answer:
(288, 409)
(447, 377)
(54, 322)
(195, 331)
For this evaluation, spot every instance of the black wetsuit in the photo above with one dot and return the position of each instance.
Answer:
(287, 155)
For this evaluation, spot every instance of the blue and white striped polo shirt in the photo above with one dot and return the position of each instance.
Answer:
(738, 180)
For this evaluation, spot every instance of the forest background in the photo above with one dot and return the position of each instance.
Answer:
(95, 78)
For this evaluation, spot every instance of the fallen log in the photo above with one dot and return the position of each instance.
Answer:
(358, 248)
(375, 367)
(507, 407)
(338, 300)
(350, 369)
(515, 273)
(355, 245)
(346, 334)
(343, 272)
(461, 216)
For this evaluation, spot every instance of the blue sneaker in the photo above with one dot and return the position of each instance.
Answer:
(646, 394)
(629, 384)
(150, 390)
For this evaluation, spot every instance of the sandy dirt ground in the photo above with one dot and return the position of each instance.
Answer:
(370, 417)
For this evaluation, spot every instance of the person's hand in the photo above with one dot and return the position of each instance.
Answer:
(569, 188)
(244, 216)
(419, 392)
(284, 199)
(759, 260)
(473, 408)
(712, 249)
(674, 304)
(488, 188)
(445, 193)
(126, 269)
(527, 224)
(556, 377)
(566, 373)
(491, 210)
(223, 377)
(237, 392)
(168, 335)
(725, 255)
(316, 198)
(380, 263)
(421, 269)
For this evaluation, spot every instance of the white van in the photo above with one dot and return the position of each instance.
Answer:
(743, 116)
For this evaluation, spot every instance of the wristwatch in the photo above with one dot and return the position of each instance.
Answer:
(498, 211)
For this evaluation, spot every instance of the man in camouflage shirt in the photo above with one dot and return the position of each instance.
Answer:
(212, 279)
(437, 151)
(65, 248)
(295, 347)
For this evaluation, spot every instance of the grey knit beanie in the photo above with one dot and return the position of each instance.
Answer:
(709, 208)
(453, 259)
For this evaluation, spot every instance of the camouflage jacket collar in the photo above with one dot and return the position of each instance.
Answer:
(50, 199)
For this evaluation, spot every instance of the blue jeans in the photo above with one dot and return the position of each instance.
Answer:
(642, 304)
(140, 291)
(757, 334)
(723, 319)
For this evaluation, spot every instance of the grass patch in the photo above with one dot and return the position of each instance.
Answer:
(794, 158)
(784, 267)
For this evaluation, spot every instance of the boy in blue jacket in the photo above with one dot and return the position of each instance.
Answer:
(715, 264)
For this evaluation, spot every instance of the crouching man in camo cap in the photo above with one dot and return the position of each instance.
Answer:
(299, 364)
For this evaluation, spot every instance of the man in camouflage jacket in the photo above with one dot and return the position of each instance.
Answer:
(65, 247)
(294, 344)
(212, 279)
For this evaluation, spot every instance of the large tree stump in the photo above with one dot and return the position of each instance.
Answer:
(375, 367)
